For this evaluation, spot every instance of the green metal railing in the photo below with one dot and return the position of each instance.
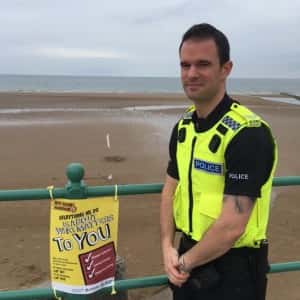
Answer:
(76, 189)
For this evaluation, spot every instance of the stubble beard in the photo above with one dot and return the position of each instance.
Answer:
(200, 97)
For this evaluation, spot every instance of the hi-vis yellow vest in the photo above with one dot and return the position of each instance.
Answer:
(201, 165)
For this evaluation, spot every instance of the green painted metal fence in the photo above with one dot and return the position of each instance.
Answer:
(76, 189)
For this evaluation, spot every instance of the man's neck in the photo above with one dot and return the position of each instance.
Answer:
(204, 108)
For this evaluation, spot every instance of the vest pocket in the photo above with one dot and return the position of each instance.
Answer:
(206, 211)
(209, 204)
(179, 210)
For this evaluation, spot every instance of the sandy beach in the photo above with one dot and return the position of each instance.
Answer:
(42, 133)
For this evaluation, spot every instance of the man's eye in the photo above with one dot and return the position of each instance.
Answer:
(203, 64)
(184, 65)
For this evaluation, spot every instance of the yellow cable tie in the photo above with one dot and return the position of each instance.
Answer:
(116, 192)
(113, 288)
(50, 189)
(55, 295)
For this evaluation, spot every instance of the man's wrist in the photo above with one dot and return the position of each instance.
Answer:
(167, 244)
(182, 264)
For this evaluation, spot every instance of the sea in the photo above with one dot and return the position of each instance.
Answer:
(46, 83)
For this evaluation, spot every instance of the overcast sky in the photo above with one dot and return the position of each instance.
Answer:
(141, 38)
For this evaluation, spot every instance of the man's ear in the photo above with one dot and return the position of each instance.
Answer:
(226, 68)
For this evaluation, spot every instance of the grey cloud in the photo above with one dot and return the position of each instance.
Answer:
(161, 13)
(190, 11)
(264, 35)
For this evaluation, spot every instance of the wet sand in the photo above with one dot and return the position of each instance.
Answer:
(37, 145)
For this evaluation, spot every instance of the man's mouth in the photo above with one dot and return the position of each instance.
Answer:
(194, 85)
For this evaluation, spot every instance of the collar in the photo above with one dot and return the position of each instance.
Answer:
(204, 124)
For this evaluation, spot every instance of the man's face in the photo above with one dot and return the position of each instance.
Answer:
(201, 73)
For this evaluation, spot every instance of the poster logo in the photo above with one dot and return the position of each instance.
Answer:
(65, 206)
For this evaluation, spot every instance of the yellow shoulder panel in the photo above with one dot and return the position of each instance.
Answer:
(250, 118)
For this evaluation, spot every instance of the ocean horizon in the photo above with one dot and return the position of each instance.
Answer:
(94, 84)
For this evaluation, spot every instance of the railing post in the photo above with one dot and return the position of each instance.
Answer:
(75, 188)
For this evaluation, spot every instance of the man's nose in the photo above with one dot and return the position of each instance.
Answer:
(192, 72)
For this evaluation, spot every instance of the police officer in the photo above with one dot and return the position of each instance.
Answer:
(218, 183)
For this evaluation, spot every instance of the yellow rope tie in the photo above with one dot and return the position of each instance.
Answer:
(113, 287)
(116, 192)
(50, 189)
(55, 295)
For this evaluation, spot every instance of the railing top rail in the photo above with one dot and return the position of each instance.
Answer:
(77, 189)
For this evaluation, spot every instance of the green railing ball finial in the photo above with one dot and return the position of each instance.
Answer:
(75, 172)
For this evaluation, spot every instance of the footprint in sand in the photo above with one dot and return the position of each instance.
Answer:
(114, 158)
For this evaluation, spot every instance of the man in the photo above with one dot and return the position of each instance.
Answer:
(218, 183)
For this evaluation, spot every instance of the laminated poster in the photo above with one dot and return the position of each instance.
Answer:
(83, 241)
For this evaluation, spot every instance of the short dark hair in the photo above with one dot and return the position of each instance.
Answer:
(205, 31)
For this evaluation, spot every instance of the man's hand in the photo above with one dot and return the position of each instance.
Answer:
(171, 263)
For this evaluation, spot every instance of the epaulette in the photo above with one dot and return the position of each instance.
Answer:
(187, 115)
(251, 118)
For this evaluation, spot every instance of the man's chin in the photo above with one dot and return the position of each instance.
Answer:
(195, 97)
